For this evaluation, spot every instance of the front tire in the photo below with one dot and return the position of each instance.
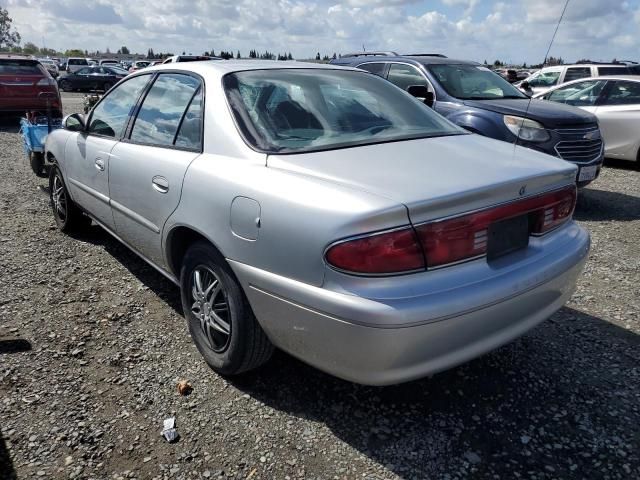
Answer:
(66, 213)
(220, 319)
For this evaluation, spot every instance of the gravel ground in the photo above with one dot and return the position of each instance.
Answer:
(92, 344)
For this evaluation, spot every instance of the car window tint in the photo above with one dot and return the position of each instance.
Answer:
(190, 133)
(110, 116)
(377, 68)
(83, 71)
(613, 71)
(17, 67)
(405, 76)
(78, 61)
(624, 93)
(581, 94)
(574, 73)
(163, 108)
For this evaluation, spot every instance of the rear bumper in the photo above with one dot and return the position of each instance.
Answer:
(386, 341)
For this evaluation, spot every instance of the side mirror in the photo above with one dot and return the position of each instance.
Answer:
(421, 91)
(73, 122)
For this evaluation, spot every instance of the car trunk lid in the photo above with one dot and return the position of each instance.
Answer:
(436, 177)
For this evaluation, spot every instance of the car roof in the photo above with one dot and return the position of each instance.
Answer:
(423, 59)
(219, 68)
(11, 56)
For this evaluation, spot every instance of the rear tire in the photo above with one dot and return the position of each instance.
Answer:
(66, 213)
(36, 160)
(220, 319)
(64, 85)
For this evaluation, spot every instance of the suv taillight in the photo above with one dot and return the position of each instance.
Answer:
(46, 81)
(448, 241)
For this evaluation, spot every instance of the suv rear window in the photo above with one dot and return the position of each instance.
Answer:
(574, 73)
(20, 67)
(78, 61)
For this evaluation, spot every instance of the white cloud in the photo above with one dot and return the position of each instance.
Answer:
(519, 30)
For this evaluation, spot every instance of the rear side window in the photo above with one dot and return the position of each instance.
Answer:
(17, 67)
(405, 76)
(624, 93)
(110, 116)
(163, 109)
(376, 68)
(190, 133)
(575, 73)
(613, 71)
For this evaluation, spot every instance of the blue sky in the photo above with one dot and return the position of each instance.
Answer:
(517, 30)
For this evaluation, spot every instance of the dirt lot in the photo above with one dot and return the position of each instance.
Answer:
(92, 344)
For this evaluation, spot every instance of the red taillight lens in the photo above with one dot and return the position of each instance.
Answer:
(444, 242)
(465, 237)
(388, 252)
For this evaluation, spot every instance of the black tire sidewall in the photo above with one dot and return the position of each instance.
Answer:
(107, 86)
(231, 359)
(65, 85)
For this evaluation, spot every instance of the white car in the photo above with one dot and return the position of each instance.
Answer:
(615, 101)
(75, 63)
(549, 77)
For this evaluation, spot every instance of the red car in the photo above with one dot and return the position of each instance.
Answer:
(25, 85)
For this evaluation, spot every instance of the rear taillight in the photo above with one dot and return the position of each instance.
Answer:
(444, 242)
(465, 237)
(396, 251)
(46, 81)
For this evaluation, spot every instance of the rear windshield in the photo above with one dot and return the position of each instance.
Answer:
(302, 110)
(78, 61)
(20, 67)
(473, 82)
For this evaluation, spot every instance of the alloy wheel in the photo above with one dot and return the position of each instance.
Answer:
(211, 307)
(59, 198)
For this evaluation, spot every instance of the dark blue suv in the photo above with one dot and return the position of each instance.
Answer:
(477, 99)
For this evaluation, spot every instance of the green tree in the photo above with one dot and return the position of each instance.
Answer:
(30, 48)
(318, 56)
(9, 37)
(124, 50)
(238, 54)
(74, 52)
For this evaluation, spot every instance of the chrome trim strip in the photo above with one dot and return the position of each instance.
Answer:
(134, 216)
(94, 193)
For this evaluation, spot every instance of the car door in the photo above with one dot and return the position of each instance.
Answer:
(619, 118)
(148, 167)
(87, 153)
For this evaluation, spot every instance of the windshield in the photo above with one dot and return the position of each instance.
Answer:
(473, 82)
(301, 110)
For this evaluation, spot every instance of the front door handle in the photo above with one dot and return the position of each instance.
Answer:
(161, 184)
(100, 164)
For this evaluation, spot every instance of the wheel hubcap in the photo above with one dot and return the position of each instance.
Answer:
(59, 198)
(211, 308)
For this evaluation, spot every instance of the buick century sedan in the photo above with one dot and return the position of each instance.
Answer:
(322, 211)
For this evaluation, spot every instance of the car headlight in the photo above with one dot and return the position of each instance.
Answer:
(526, 129)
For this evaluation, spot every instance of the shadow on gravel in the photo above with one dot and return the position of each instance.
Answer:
(599, 205)
(14, 345)
(567, 375)
(149, 276)
(6, 465)
(621, 164)
(10, 124)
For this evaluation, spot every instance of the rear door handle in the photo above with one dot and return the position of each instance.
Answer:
(100, 164)
(160, 183)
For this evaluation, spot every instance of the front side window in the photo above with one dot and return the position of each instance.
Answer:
(473, 82)
(544, 78)
(405, 76)
(163, 108)
(375, 68)
(581, 94)
(624, 93)
(302, 110)
(84, 71)
(109, 117)
(575, 73)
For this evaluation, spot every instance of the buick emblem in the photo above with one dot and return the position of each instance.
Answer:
(523, 190)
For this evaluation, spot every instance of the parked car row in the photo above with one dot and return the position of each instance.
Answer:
(323, 211)
(477, 99)
(92, 78)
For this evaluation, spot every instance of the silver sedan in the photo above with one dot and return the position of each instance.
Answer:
(323, 211)
(615, 101)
